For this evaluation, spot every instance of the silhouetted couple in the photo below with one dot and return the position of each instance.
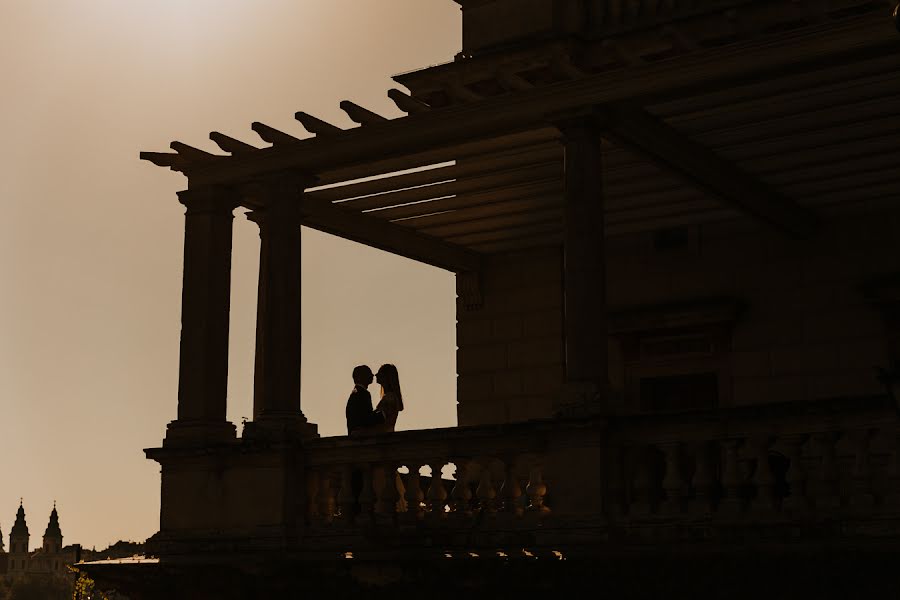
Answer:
(361, 417)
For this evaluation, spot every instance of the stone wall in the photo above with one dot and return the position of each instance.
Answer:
(807, 330)
(510, 351)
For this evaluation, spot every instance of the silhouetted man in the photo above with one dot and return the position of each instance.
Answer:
(360, 413)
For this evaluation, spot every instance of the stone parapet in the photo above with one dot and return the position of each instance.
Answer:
(791, 471)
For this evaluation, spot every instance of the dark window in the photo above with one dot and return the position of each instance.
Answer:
(680, 392)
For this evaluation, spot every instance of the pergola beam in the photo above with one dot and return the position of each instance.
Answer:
(407, 103)
(361, 115)
(231, 145)
(272, 135)
(440, 132)
(649, 136)
(324, 216)
(316, 126)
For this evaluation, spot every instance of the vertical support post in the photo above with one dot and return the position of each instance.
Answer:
(205, 308)
(884, 294)
(276, 401)
(584, 269)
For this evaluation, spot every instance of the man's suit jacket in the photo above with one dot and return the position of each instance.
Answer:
(359, 409)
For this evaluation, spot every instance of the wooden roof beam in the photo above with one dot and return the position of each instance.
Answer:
(361, 115)
(316, 126)
(182, 160)
(622, 54)
(459, 92)
(562, 65)
(171, 160)
(231, 145)
(272, 135)
(192, 154)
(378, 233)
(642, 132)
(407, 103)
(512, 81)
(463, 130)
(679, 38)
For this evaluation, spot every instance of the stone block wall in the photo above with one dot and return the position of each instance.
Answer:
(510, 351)
(807, 332)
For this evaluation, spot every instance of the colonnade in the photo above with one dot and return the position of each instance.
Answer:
(206, 297)
(275, 204)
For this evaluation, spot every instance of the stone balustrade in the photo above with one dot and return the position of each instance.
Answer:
(811, 461)
(549, 483)
(457, 475)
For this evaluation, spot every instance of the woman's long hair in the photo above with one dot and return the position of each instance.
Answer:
(390, 382)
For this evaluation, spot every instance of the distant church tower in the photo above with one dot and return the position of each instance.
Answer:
(53, 536)
(18, 544)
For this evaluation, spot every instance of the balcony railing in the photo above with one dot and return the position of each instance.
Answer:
(549, 483)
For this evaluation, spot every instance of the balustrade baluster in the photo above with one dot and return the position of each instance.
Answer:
(437, 493)
(615, 502)
(891, 499)
(797, 499)
(598, 13)
(346, 497)
(731, 503)
(461, 495)
(536, 490)
(702, 482)
(614, 12)
(312, 494)
(327, 503)
(673, 481)
(511, 491)
(388, 494)
(763, 477)
(861, 496)
(632, 9)
(827, 489)
(641, 485)
(366, 495)
(414, 495)
(486, 492)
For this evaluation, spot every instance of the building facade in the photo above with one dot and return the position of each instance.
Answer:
(51, 559)
(674, 228)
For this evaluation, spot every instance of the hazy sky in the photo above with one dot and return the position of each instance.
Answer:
(91, 237)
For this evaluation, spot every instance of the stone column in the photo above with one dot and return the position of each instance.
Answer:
(884, 295)
(205, 307)
(584, 276)
(276, 401)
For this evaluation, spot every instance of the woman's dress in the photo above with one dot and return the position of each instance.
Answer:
(389, 406)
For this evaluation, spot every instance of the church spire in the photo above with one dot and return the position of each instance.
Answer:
(53, 530)
(20, 527)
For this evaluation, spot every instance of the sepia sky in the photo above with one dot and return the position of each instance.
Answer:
(91, 237)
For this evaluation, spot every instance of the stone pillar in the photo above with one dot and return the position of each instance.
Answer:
(276, 401)
(205, 307)
(584, 270)
(884, 294)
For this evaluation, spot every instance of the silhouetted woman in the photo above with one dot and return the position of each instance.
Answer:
(391, 398)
